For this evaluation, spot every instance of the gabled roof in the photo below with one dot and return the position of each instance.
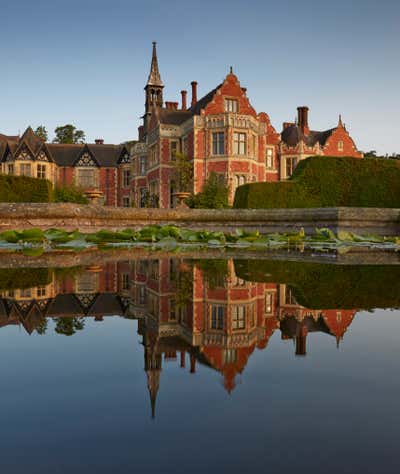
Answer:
(292, 135)
(173, 117)
(104, 155)
(63, 154)
(8, 138)
(31, 140)
(204, 101)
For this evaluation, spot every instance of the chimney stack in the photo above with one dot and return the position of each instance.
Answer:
(194, 92)
(302, 114)
(287, 125)
(141, 133)
(99, 141)
(184, 100)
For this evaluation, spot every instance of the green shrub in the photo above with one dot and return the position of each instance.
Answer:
(214, 195)
(329, 286)
(324, 181)
(69, 194)
(12, 278)
(24, 189)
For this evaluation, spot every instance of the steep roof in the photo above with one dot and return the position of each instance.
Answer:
(204, 101)
(154, 76)
(173, 117)
(292, 135)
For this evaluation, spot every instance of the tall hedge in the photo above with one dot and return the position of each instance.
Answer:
(326, 181)
(24, 189)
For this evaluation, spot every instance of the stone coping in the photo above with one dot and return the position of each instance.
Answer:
(91, 218)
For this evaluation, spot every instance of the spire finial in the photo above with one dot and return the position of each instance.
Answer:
(230, 70)
(154, 76)
(340, 124)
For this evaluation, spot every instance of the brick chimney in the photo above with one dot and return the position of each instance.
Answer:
(302, 114)
(99, 141)
(174, 105)
(184, 100)
(141, 132)
(194, 92)
(287, 125)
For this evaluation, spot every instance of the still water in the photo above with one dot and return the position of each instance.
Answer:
(182, 366)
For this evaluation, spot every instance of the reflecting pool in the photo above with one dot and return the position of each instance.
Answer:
(175, 365)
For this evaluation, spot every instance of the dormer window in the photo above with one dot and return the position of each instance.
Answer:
(231, 105)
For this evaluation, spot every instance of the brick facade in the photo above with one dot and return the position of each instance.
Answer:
(222, 133)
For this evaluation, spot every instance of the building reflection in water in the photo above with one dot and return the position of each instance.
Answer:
(188, 312)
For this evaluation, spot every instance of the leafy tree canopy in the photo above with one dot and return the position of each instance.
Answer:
(41, 132)
(213, 195)
(69, 134)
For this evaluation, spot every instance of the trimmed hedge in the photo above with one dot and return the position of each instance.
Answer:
(24, 189)
(13, 278)
(327, 181)
(327, 286)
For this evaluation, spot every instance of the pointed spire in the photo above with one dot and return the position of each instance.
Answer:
(340, 124)
(154, 76)
(231, 70)
(153, 384)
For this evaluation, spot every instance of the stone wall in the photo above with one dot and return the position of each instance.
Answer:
(92, 218)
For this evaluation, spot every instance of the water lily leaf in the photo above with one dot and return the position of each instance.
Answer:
(344, 235)
(214, 243)
(33, 251)
(32, 235)
(10, 236)
(324, 234)
(168, 242)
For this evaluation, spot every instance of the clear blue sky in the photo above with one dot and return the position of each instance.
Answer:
(86, 62)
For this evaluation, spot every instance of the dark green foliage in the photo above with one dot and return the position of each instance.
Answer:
(24, 189)
(215, 272)
(69, 194)
(328, 182)
(69, 326)
(41, 132)
(69, 134)
(327, 286)
(11, 278)
(214, 195)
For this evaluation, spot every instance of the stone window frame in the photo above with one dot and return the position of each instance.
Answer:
(172, 154)
(236, 149)
(296, 160)
(340, 145)
(217, 316)
(27, 166)
(77, 179)
(126, 177)
(126, 201)
(271, 157)
(41, 171)
(238, 321)
(142, 165)
(231, 105)
(215, 151)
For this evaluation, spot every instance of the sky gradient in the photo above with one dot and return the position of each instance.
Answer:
(86, 62)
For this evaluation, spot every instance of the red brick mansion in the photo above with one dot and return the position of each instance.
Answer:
(220, 132)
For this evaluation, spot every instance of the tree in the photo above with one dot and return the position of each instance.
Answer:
(213, 195)
(69, 326)
(69, 134)
(183, 172)
(41, 132)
